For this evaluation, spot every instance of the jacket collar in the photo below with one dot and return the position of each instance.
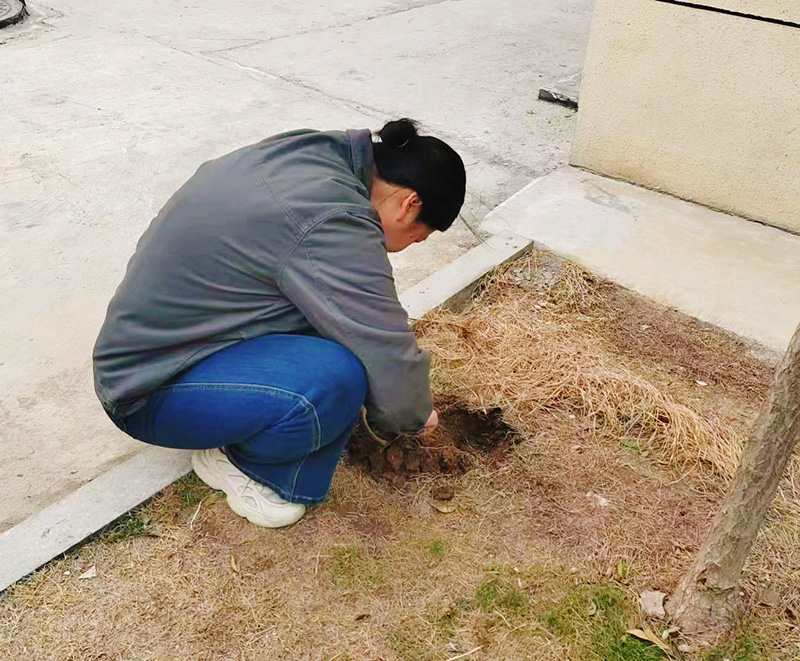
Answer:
(361, 155)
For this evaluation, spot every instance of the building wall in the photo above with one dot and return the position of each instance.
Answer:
(700, 104)
(786, 10)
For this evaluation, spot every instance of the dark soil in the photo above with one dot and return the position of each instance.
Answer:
(452, 448)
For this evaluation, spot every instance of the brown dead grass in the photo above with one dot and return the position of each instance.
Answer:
(530, 349)
(620, 462)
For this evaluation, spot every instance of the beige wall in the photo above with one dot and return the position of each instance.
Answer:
(700, 104)
(785, 10)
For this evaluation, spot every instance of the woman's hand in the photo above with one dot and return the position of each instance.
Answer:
(433, 420)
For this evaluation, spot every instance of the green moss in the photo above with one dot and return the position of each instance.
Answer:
(499, 593)
(137, 523)
(745, 645)
(354, 568)
(191, 490)
(436, 548)
(596, 619)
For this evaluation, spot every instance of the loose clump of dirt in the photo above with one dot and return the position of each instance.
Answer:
(452, 448)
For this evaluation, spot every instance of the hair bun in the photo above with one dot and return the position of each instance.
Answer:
(398, 133)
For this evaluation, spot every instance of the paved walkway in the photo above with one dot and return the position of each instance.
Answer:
(734, 273)
(106, 108)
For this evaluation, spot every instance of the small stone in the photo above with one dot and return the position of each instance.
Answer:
(653, 603)
(683, 647)
(598, 499)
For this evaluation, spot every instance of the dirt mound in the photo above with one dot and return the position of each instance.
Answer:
(452, 448)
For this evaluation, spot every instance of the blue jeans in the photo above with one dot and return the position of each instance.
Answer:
(282, 406)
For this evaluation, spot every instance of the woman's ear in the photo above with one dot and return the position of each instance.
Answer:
(412, 205)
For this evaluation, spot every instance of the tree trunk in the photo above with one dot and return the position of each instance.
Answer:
(705, 600)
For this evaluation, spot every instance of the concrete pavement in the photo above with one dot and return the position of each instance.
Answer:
(107, 108)
(734, 273)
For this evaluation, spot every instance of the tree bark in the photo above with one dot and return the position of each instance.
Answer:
(705, 600)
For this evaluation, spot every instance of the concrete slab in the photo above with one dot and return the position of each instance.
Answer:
(470, 69)
(57, 528)
(69, 521)
(735, 273)
(108, 107)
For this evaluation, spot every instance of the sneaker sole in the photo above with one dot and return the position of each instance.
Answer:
(214, 480)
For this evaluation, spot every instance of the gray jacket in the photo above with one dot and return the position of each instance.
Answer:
(277, 237)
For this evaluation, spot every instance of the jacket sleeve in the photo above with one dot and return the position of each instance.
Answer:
(340, 278)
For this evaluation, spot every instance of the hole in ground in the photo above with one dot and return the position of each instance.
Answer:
(452, 448)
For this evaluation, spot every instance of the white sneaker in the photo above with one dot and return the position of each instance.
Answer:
(254, 501)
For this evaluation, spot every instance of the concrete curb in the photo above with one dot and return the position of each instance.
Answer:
(66, 523)
(63, 525)
(456, 282)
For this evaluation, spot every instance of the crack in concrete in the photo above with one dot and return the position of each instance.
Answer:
(335, 26)
(294, 86)
(304, 90)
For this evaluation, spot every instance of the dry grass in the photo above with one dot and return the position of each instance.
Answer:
(621, 459)
(530, 351)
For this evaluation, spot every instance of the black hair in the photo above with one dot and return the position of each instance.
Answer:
(426, 165)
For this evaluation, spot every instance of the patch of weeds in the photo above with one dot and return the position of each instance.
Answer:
(499, 593)
(746, 645)
(190, 489)
(596, 618)
(436, 548)
(138, 523)
(447, 625)
(354, 568)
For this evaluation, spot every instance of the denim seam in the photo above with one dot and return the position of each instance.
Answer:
(308, 407)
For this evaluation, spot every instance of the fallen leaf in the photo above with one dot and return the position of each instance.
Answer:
(443, 493)
(444, 508)
(653, 603)
(648, 635)
(89, 573)
(701, 383)
(592, 610)
(668, 632)
(363, 616)
(234, 565)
